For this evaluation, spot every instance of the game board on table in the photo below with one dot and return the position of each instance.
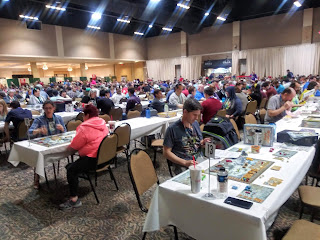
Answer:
(284, 153)
(311, 122)
(54, 140)
(242, 169)
(255, 193)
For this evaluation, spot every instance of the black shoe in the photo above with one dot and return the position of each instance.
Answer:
(70, 204)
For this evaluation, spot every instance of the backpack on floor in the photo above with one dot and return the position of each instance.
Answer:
(221, 129)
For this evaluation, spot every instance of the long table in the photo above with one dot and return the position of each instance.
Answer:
(39, 156)
(173, 203)
(144, 104)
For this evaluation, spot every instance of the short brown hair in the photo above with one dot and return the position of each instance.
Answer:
(91, 110)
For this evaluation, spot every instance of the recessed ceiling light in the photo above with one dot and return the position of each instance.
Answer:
(183, 6)
(96, 16)
(221, 18)
(56, 8)
(297, 4)
(150, 26)
(139, 33)
(167, 29)
(28, 17)
(123, 20)
(206, 14)
(93, 27)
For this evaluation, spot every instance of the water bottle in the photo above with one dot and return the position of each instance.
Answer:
(222, 180)
(148, 113)
(223, 99)
(166, 108)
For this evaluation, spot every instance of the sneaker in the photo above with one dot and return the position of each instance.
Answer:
(70, 204)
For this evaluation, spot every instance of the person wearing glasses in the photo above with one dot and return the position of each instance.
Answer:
(45, 125)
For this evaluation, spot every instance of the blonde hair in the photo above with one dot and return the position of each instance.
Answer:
(5, 108)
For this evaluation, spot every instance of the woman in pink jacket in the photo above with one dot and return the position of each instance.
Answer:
(87, 140)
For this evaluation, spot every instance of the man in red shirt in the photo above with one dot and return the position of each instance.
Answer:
(185, 91)
(268, 89)
(210, 106)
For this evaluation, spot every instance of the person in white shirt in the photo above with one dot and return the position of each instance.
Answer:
(177, 98)
(117, 97)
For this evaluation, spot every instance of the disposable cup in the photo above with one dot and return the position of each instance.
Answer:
(195, 178)
(112, 125)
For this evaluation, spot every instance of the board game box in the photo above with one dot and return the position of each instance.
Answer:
(311, 122)
(242, 169)
(267, 131)
(255, 193)
(55, 140)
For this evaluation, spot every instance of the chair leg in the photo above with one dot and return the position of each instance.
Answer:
(58, 170)
(113, 178)
(54, 173)
(154, 156)
(144, 235)
(301, 210)
(312, 214)
(93, 189)
(46, 177)
(170, 170)
(96, 179)
(175, 233)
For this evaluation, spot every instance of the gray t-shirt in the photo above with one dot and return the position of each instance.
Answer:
(274, 103)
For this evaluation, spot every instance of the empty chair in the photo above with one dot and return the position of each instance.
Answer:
(251, 107)
(133, 114)
(73, 124)
(23, 130)
(250, 119)
(263, 103)
(310, 197)
(157, 143)
(138, 107)
(302, 229)
(262, 114)
(123, 132)
(105, 117)
(235, 128)
(222, 113)
(116, 114)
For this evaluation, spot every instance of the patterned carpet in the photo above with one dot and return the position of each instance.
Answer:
(26, 213)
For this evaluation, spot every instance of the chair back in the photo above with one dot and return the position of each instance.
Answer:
(251, 107)
(250, 119)
(124, 132)
(133, 114)
(262, 113)
(105, 117)
(116, 114)
(138, 107)
(35, 112)
(22, 130)
(123, 100)
(73, 124)
(78, 99)
(107, 149)
(263, 103)
(80, 116)
(235, 128)
(142, 172)
(222, 113)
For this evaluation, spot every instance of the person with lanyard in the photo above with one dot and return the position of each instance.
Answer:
(183, 139)
(46, 125)
(36, 98)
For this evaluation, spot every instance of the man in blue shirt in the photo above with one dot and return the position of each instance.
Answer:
(289, 74)
(199, 94)
(132, 101)
(16, 115)
(279, 87)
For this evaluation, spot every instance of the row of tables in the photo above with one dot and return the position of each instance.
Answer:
(174, 204)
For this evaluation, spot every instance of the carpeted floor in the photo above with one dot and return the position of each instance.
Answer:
(26, 213)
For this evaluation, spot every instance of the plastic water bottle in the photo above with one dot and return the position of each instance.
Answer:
(223, 99)
(222, 180)
(148, 113)
(166, 108)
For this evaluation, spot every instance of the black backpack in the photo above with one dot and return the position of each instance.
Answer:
(222, 129)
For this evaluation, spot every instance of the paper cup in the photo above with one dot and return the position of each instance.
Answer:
(195, 178)
(112, 125)
(255, 149)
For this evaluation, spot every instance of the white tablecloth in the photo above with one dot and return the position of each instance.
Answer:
(36, 155)
(173, 203)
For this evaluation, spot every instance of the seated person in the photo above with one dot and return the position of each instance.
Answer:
(47, 124)
(36, 98)
(192, 92)
(232, 104)
(63, 94)
(18, 95)
(156, 103)
(177, 98)
(117, 97)
(183, 138)
(313, 86)
(199, 94)
(210, 106)
(56, 96)
(3, 110)
(10, 98)
(104, 103)
(86, 96)
(87, 141)
(279, 104)
(132, 101)
(16, 115)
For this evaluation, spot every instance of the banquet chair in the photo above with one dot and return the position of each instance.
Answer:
(78, 99)
(73, 124)
(234, 124)
(80, 116)
(309, 197)
(222, 113)
(202, 127)
(251, 107)
(143, 176)
(263, 103)
(116, 114)
(105, 117)
(250, 119)
(106, 153)
(157, 143)
(302, 229)
(138, 107)
(262, 114)
(23, 130)
(124, 133)
(133, 114)
(35, 112)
